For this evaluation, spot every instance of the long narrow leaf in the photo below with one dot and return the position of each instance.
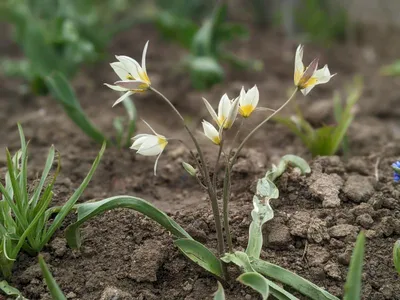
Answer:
(257, 282)
(55, 291)
(47, 167)
(23, 178)
(300, 284)
(86, 211)
(201, 255)
(64, 95)
(352, 288)
(67, 207)
(220, 293)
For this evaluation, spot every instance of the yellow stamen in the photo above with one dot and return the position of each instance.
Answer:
(216, 140)
(297, 77)
(162, 141)
(130, 77)
(246, 110)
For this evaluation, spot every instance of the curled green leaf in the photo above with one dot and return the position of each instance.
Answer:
(257, 282)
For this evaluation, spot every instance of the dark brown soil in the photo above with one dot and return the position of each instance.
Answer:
(127, 256)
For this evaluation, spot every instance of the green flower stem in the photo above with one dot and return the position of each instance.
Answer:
(259, 126)
(210, 189)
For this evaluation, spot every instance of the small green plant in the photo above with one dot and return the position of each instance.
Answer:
(64, 94)
(322, 20)
(328, 139)
(205, 43)
(25, 208)
(59, 35)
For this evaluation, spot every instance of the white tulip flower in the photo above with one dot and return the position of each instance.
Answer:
(306, 79)
(248, 101)
(134, 78)
(227, 111)
(150, 144)
(211, 132)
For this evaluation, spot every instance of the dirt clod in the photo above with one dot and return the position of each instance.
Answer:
(343, 230)
(365, 220)
(358, 188)
(326, 188)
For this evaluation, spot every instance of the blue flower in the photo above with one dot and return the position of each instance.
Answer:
(396, 168)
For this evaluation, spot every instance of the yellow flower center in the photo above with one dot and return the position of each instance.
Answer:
(216, 140)
(162, 141)
(246, 110)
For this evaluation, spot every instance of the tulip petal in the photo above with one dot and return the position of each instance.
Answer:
(131, 65)
(139, 140)
(123, 97)
(298, 64)
(252, 96)
(211, 110)
(211, 133)
(323, 75)
(116, 87)
(232, 113)
(224, 108)
(120, 70)
(144, 57)
(150, 146)
(132, 84)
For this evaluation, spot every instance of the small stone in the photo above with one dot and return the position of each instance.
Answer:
(317, 255)
(343, 230)
(389, 203)
(317, 231)
(386, 226)
(299, 224)
(187, 286)
(359, 165)
(278, 236)
(332, 270)
(376, 201)
(345, 257)
(358, 188)
(112, 293)
(371, 234)
(247, 297)
(326, 188)
(337, 244)
(362, 208)
(387, 291)
(365, 220)
(70, 295)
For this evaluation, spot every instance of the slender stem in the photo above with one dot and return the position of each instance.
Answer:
(221, 145)
(259, 126)
(225, 201)
(193, 156)
(210, 189)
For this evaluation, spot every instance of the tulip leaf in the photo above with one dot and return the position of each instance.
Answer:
(243, 261)
(352, 288)
(267, 190)
(200, 255)
(289, 278)
(9, 290)
(220, 293)
(88, 210)
(51, 283)
(64, 95)
(257, 282)
(396, 256)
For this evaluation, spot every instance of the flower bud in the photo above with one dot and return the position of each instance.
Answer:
(189, 168)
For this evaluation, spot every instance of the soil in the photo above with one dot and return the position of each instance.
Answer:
(317, 217)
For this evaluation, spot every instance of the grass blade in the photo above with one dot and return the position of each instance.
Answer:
(201, 255)
(63, 94)
(352, 288)
(257, 282)
(87, 211)
(67, 207)
(300, 284)
(51, 283)
(396, 256)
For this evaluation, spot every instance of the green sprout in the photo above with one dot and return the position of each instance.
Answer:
(25, 209)
(328, 139)
(206, 44)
